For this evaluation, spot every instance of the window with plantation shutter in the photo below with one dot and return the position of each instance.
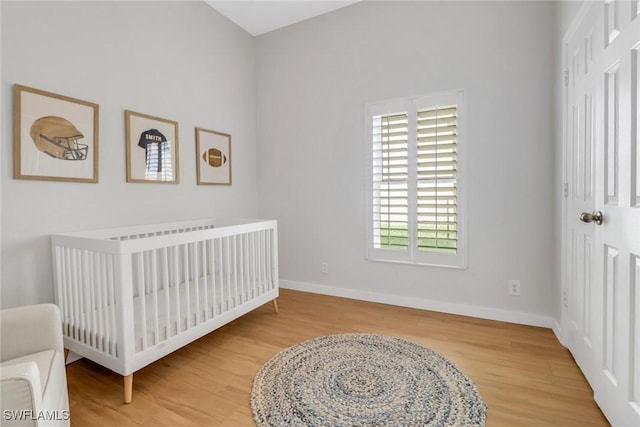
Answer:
(415, 201)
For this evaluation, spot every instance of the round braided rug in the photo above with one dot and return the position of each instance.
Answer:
(363, 380)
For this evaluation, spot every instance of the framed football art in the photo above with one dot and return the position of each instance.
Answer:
(152, 149)
(55, 137)
(213, 157)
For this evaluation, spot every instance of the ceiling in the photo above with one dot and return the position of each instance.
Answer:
(261, 16)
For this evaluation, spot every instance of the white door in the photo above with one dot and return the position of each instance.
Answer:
(581, 293)
(601, 293)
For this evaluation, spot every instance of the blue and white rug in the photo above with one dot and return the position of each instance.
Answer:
(363, 380)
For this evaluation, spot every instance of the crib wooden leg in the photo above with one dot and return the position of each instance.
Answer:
(66, 353)
(128, 388)
(275, 305)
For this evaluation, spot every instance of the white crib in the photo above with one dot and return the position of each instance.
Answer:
(130, 296)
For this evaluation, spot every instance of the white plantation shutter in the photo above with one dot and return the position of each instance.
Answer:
(390, 181)
(436, 179)
(414, 192)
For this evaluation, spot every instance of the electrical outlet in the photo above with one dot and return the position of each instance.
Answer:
(514, 287)
(324, 267)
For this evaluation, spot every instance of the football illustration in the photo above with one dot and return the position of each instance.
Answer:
(214, 157)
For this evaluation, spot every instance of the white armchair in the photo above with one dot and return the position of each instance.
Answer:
(33, 379)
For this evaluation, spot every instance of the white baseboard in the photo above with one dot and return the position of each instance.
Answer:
(557, 330)
(426, 304)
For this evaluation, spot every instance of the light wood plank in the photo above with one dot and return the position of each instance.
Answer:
(524, 375)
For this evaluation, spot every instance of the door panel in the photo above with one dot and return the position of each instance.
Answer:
(611, 364)
(635, 136)
(602, 318)
(612, 98)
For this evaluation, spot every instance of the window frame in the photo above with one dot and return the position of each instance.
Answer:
(412, 255)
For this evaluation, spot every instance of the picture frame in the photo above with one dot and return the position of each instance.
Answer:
(152, 148)
(213, 157)
(55, 137)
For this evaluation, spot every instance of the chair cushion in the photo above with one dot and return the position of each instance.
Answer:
(43, 359)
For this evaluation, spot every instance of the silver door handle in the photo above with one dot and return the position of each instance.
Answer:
(595, 216)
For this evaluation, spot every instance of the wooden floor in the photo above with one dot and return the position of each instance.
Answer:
(524, 375)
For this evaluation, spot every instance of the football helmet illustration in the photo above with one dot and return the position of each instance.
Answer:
(58, 137)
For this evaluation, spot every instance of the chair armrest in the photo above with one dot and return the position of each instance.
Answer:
(30, 329)
(19, 389)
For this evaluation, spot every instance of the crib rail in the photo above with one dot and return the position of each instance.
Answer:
(86, 295)
(178, 287)
(124, 293)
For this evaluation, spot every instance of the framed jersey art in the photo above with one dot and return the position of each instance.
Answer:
(152, 149)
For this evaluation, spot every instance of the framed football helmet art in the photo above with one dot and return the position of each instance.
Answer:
(55, 137)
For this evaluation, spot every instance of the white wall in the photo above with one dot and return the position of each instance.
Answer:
(177, 60)
(314, 79)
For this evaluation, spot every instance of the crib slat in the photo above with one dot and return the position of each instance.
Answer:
(176, 285)
(243, 294)
(196, 279)
(165, 287)
(74, 295)
(60, 291)
(267, 248)
(273, 265)
(264, 257)
(68, 292)
(141, 298)
(154, 289)
(254, 280)
(113, 349)
(97, 300)
(247, 266)
(261, 261)
(214, 289)
(235, 272)
(109, 326)
(103, 302)
(203, 264)
(79, 296)
(256, 260)
(93, 305)
(86, 332)
(228, 271)
(99, 308)
(90, 312)
(186, 284)
(221, 275)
